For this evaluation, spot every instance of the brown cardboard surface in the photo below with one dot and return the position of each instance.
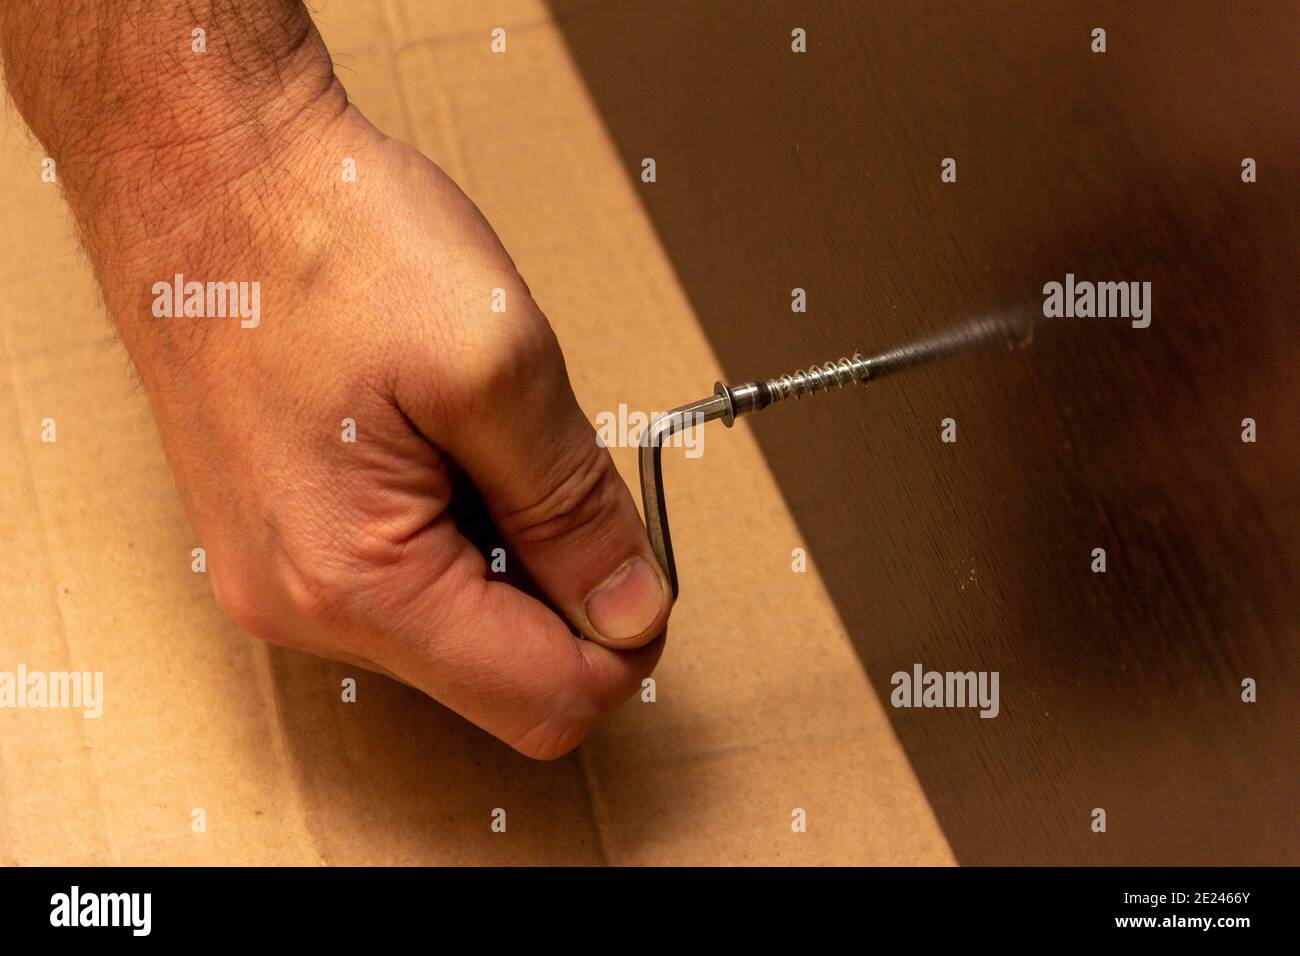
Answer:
(761, 705)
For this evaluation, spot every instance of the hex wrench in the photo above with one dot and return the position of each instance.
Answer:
(729, 402)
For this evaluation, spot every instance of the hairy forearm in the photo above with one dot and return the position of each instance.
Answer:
(150, 121)
(175, 156)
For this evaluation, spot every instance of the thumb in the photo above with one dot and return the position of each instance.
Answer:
(552, 490)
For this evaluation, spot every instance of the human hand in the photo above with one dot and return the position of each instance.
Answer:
(374, 307)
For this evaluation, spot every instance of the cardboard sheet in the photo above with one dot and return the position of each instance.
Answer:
(761, 705)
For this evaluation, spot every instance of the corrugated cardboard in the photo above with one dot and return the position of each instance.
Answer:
(762, 706)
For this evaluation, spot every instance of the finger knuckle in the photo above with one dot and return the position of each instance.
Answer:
(554, 737)
(243, 599)
(287, 592)
(508, 361)
(570, 711)
(312, 588)
(575, 502)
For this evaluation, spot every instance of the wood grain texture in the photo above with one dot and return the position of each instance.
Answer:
(776, 170)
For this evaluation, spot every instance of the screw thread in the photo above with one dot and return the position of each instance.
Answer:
(819, 378)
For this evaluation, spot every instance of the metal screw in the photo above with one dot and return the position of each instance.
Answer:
(729, 402)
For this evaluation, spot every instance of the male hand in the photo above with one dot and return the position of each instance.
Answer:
(375, 307)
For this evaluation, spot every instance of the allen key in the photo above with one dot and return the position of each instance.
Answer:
(729, 402)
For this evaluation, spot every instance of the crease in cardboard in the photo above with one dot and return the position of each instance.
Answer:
(446, 149)
(596, 800)
(288, 764)
(479, 34)
(390, 16)
(85, 753)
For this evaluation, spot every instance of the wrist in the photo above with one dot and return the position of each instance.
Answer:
(242, 217)
(156, 113)
(159, 177)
